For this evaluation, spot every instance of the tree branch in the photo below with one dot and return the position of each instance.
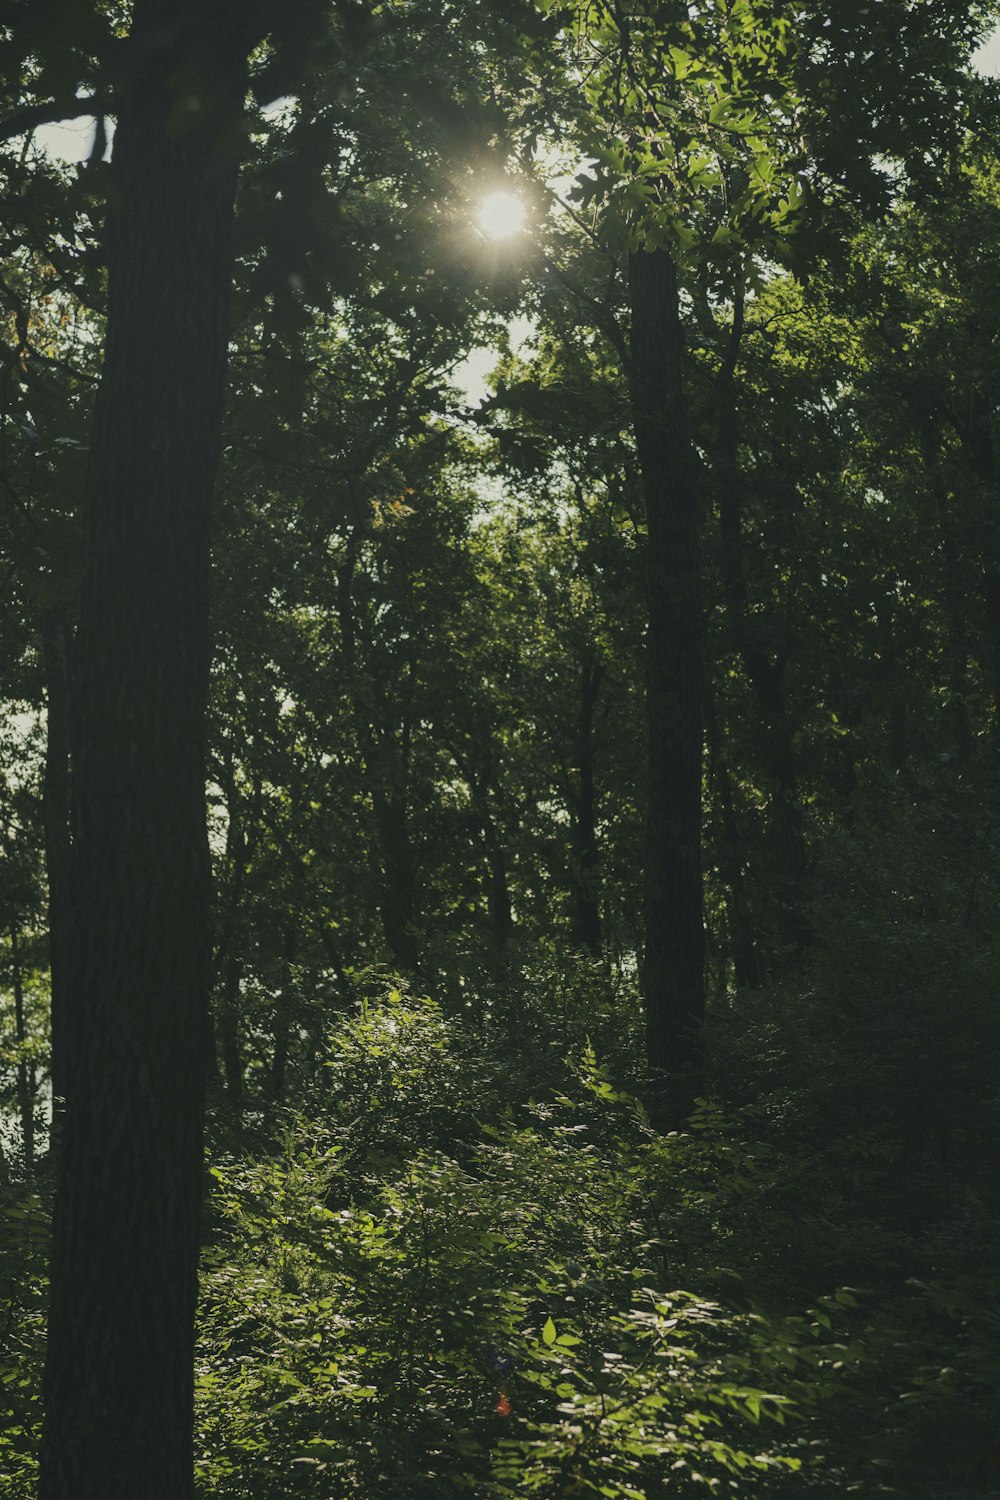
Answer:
(29, 116)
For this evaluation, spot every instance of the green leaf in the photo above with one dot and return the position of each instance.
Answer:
(549, 1332)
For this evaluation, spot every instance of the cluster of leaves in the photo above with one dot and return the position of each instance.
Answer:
(432, 1286)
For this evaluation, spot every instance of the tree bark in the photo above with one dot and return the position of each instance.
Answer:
(229, 1029)
(499, 906)
(387, 785)
(674, 958)
(765, 669)
(228, 961)
(956, 640)
(747, 969)
(586, 930)
(55, 818)
(119, 1368)
(980, 441)
(25, 1069)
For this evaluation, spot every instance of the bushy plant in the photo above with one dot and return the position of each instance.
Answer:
(382, 1316)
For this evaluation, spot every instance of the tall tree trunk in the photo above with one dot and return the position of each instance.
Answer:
(980, 441)
(747, 968)
(956, 639)
(398, 905)
(119, 1368)
(25, 1069)
(499, 905)
(387, 786)
(586, 930)
(228, 962)
(765, 670)
(498, 902)
(55, 817)
(229, 1028)
(286, 1002)
(674, 958)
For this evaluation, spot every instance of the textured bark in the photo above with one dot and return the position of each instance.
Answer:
(55, 816)
(586, 931)
(119, 1369)
(674, 957)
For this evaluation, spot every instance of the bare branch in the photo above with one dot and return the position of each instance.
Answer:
(29, 116)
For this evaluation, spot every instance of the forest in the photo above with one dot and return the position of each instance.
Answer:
(499, 749)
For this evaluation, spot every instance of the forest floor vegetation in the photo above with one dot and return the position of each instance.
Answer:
(460, 1261)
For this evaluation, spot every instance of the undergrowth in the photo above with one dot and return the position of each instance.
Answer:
(462, 1263)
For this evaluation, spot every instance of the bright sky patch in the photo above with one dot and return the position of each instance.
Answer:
(501, 215)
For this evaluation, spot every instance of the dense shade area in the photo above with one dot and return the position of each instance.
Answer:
(499, 916)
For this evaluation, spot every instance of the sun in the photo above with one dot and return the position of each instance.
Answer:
(501, 215)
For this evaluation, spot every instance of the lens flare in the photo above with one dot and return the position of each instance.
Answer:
(501, 215)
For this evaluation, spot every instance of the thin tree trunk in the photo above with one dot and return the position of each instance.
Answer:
(55, 818)
(228, 963)
(586, 930)
(387, 785)
(119, 1368)
(25, 1069)
(229, 1028)
(765, 670)
(499, 905)
(283, 1019)
(498, 900)
(674, 958)
(747, 968)
(957, 644)
(979, 438)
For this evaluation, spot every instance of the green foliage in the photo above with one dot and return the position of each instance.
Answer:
(445, 1253)
(373, 1305)
(24, 1238)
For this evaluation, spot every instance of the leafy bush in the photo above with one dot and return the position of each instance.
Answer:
(381, 1316)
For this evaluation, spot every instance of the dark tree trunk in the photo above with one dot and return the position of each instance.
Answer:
(286, 1002)
(765, 669)
(586, 930)
(25, 1069)
(387, 786)
(55, 816)
(398, 903)
(228, 962)
(956, 643)
(498, 902)
(980, 440)
(674, 958)
(498, 899)
(229, 1028)
(119, 1368)
(747, 968)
